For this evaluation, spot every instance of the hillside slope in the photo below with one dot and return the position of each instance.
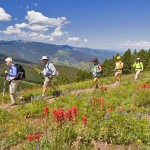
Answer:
(58, 54)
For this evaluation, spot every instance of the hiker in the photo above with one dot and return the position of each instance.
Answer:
(118, 70)
(49, 71)
(13, 84)
(96, 71)
(138, 65)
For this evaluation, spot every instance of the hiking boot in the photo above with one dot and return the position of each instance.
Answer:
(13, 104)
(57, 93)
(116, 83)
(135, 80)
(96, 87)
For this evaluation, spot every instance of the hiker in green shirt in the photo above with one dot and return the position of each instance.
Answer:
(138, 65)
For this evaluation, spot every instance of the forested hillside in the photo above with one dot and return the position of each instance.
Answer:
(128, 59)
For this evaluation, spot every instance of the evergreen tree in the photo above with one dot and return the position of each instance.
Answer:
(127, 61)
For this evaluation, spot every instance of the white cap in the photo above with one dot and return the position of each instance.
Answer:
(9, 59)
(138, 58)
(44, 57)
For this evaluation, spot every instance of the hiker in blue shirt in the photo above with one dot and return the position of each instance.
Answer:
(12, 72)
(96, 71)
(48, 71)
(13, 84)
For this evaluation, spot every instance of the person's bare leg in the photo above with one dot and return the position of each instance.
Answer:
(119, 78)
(96, 82)
(44, 90)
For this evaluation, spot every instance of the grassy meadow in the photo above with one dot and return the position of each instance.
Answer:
(115, 116)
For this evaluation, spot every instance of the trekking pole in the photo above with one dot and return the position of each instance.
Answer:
(3, 94)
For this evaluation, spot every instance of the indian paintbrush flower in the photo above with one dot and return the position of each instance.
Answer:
(84, 120)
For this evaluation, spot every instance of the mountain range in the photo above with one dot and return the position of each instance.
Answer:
(58, 54)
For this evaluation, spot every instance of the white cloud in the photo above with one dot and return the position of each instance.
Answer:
(132, 45)
(85, 40)
(37, 22)
(41, 28)
(57, 32)
(137, 44)
(34, 27)
(4, 16)
(22, 25)
(11, 30)
(38, 18)
(73, 39)
(15, 18)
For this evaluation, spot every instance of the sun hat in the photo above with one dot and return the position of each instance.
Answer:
(44, 57)
(8, 59)
(95, 60)
(118, 57)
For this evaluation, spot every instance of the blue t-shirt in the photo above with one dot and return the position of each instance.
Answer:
(12, 71)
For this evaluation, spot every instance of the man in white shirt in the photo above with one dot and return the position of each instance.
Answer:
(48, 71)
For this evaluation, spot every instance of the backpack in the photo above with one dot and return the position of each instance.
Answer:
(20, 72)
(139, 64)
(120, 66)
(56, 73)
(97, 70)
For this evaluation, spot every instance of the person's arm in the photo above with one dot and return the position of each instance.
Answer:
(122, 65)
(134, 64)
(100, 67)
(141, 65)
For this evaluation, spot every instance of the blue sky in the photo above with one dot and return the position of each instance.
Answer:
(101, 24)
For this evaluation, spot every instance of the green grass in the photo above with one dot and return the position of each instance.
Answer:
(120, 120)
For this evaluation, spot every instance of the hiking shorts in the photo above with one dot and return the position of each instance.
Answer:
(96, 75)
(47, 81)
(118, 73)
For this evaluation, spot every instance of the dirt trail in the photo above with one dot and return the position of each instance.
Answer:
(6, 106)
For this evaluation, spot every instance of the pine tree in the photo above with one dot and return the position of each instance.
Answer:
(127, 61)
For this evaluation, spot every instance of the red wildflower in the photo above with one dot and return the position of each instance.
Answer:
(101, 101)
(38, 136)
(74, 110)
(145, 85)
(47, 109)
(59, 114)
(84, 120)
(94, 100)
(109, 110)
(29, 137)
(103, 88)
(120, 109)
(69, 112)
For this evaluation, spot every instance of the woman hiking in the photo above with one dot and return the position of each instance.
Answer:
(96, 71)
(138, 65)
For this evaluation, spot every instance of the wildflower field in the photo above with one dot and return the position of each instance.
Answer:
(111, 117)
